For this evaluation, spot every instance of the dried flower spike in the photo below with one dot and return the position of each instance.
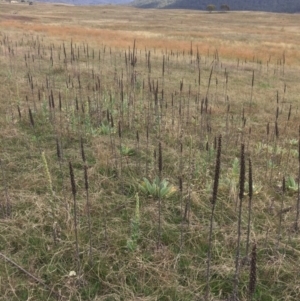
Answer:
(72, 179)
(252, 280)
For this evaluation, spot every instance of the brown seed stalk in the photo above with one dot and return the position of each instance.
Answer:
(82, 151)
(73, 185)
(239, 234)
(58, 151)
(252, 280)
(31, 117)
(213, 201)
(160, 165)
(217, 171)
(249, 205)
(298, 197)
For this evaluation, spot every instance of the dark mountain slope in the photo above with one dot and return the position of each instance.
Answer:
(286, 6)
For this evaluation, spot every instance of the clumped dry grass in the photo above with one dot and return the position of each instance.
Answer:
(98, 102)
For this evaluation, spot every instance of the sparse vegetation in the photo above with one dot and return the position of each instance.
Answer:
(146, 161)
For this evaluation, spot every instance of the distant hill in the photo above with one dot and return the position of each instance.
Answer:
(282, 6)
(87, 2)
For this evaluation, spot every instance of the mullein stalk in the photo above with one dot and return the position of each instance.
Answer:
(159, 196)
(121, 155)
(181, 209)
(283, 62)
(249, 205)
(188, 200)
(209, 80)
(59, 155)
(47, 173)
(251, 95)
(147, 148)
(138, 162)
(32, 123)
(73, 186)
(288, 119)
(213, 201)
(281, 212)
(216, 91)
(267, 149)
(19, 112)
(173, 111)
(112, 141)
(276, 134)
(7, 207)
(241, 195)
(181, 193)
(226, 85)
(82, 151)
(86, 185)
(163, 73)
(298, 196)
(252, 278)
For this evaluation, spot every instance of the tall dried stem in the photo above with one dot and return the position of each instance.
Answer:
(252, 278)
(281, 212)
(86, 185)
(6, 209)
(213, 201)
(73, 186)
(241, 195)
(159, 198)
(249, 205)
(298, 196)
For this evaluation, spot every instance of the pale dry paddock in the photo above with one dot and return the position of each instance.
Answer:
(241, 35)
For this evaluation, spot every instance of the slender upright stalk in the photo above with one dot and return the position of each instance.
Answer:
(32, 123)
(188, 199)
(267, 149)
(251, 95)
(82, 151)
(181, 192)
(213, 201)
(283, 62)
(241, 195)
(281, 212)
(7, 207)
(252, 279)
(209, 80)
(181, 208)
(298, 198)
(73, 185)
(138, 162)
(147, 148)
(159, 196)
(86, 184)
(121, 155)
(249, 205)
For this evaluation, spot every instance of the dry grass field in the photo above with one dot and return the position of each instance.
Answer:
(234, 34)
(148, 154)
